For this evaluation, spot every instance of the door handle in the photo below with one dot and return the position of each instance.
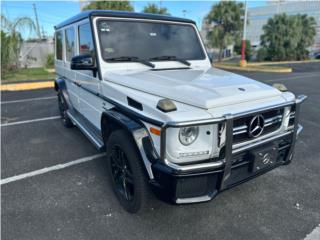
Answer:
(77, 83)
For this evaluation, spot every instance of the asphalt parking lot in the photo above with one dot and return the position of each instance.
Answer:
(76, 202)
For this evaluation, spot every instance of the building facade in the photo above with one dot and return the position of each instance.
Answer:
(259, 16)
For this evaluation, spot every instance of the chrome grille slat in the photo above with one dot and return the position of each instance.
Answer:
(292, 115)
(271, 123)
(268, 122)
(240, 132)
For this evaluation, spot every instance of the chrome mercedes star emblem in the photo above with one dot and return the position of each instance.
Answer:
(266, 159)
(256, 126)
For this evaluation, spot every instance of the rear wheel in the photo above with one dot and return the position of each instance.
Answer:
(126, 171)
(63, 107)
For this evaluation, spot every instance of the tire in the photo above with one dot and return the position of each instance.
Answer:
(126, 171)
(63, 107)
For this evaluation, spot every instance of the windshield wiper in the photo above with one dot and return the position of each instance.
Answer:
(171, 58)
(130, 59)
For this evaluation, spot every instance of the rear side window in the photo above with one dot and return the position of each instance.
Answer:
(59, 46)
(85, 40)
(70, 43)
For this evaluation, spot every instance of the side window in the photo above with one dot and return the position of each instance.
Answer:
(85, 40)
(59, 45)
(70, 43)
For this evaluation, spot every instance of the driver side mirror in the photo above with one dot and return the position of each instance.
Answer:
(83, 62)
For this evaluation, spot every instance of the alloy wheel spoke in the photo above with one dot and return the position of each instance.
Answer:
(122, 174)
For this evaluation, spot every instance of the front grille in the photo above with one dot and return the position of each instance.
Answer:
(272, 122)
(292, 116)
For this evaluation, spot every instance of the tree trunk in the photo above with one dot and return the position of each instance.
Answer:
(220, 54)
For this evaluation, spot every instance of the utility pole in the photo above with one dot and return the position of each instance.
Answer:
(243, 62)
(37, 21)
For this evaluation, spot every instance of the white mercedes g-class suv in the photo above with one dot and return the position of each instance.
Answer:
(142, 88)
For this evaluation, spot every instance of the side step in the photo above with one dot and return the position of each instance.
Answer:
(87, 129)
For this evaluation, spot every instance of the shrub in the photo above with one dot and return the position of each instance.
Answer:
(50, 61)
(262, 54)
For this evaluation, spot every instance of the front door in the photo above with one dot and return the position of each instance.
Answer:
(90, 103)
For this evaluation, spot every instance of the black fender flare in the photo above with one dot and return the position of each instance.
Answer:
(138, 132)
(60, 86)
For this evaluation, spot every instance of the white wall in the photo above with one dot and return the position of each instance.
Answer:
(37, 50)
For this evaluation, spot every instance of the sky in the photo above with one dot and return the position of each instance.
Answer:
(50, 13)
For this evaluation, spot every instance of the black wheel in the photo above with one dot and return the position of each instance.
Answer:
(63, 111)
(128, 177)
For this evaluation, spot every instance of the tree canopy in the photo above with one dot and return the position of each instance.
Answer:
(153, 8)
(122, 5)
(287, 37)
(226, 18)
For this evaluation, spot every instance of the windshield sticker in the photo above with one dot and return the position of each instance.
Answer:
(109, 50)
(104, 27)
(153, 34)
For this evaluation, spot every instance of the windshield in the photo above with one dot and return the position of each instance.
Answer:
(149, 40)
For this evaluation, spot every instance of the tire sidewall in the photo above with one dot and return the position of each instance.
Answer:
(62, 109)
(123, 140)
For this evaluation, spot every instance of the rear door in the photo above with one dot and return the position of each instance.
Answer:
(70, 75)
(63, 70)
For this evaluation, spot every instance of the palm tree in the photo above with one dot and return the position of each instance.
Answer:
(11, 31)
(123, 5)
(227, 24)
(308, 32)
(288, 37)
(153, 8)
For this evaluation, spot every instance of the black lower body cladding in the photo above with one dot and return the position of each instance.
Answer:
(203, 186)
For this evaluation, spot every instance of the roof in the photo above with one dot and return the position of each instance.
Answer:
(122, 14)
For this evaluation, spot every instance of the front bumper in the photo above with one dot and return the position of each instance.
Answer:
(202, 182)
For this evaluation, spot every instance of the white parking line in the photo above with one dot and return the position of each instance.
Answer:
(314, 235)
(29, 121)
(28, 100)
(49, 169)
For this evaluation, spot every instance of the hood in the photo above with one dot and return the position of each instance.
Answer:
(201, 88)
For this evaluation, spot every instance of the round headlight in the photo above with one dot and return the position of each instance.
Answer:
(188, 135)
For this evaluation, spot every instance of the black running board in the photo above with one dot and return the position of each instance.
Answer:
(87, 129)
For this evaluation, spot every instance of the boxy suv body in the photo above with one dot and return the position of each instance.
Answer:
(142, 88)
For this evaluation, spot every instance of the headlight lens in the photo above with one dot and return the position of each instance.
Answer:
(188, 135)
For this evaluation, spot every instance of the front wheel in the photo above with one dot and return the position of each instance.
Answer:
(63, 107)
(126, 171)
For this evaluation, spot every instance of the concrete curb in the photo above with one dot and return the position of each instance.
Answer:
(25, 81)
(26, 86)
(283, 62)
(251, 68)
